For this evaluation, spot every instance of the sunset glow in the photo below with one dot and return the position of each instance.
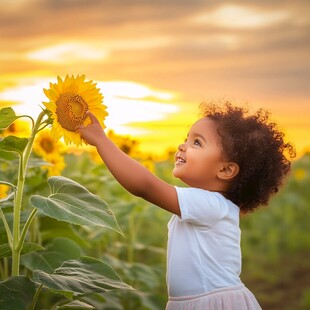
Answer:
(236, 16)
(68, 52)
(156, 62)
(127, 103)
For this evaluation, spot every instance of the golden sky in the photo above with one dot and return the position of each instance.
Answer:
(156, 61)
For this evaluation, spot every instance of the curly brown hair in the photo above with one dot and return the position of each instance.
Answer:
(257, 146)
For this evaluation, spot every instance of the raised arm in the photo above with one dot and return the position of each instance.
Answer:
(133, 176)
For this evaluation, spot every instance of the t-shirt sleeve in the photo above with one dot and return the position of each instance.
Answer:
(201, 207)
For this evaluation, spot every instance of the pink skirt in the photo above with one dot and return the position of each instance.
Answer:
(230, 298)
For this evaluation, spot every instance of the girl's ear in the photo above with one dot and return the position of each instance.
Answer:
(228, 171)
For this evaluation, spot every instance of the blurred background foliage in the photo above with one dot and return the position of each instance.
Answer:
(275, 239)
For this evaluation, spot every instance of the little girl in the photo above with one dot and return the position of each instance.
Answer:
(231, 162)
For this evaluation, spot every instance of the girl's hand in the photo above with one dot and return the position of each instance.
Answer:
(93, 133)
(133, 176)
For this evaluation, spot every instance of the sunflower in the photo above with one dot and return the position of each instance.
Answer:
(56, 164)
(70, 99)
(44, 144)
(19, 128)
(51, 151)
(126, 144)
(300, 174)
(4, 189)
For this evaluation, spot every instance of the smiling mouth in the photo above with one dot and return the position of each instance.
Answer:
(179, 160)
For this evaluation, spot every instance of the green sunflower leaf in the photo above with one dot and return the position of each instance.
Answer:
(16, 293)
(86, 275)
(71, 202)
(13, 144)
(60, 250)
(6, 251)
(75, 305)
(7, 117)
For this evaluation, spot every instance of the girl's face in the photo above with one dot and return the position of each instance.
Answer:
(199, 159)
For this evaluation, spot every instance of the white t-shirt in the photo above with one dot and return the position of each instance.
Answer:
(203, 244)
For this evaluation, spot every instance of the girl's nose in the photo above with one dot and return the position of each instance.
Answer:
(181, 147)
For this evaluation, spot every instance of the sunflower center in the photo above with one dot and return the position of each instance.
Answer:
(47, 145)
(71, 111)
(12, 128)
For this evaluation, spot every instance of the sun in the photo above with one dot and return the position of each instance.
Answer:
(70, 100)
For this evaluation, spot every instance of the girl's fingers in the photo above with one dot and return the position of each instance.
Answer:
(79, 128)
(92, 117)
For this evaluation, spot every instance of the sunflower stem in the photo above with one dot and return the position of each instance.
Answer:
(28, 116)
(16, 243)
(35, 298)
(31, 139)
(8, 184)
(25, 229)
(7, 228)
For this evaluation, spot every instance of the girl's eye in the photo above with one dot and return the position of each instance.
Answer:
(197, 142)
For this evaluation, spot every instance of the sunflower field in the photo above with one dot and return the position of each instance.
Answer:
(72, 238)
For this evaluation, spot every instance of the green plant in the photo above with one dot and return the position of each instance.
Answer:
(59, 266)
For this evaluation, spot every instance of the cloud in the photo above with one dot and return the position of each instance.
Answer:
(140, 102)
(68, 52)
(240, 17)
(197, 48)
